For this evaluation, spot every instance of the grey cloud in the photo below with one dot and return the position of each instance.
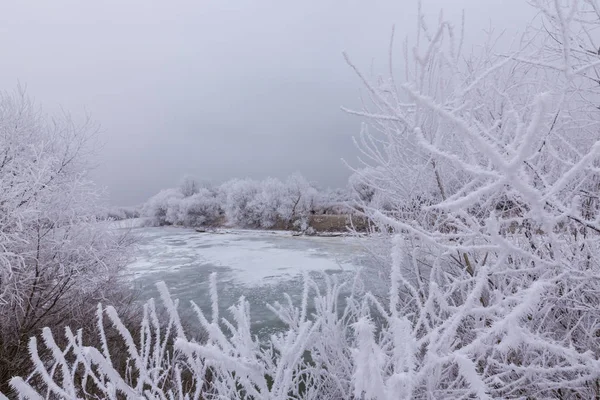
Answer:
(216, 89)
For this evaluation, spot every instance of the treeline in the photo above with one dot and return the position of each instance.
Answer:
(246, 203)
(120, 213)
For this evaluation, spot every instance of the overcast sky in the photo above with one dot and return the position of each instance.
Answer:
(215, 89)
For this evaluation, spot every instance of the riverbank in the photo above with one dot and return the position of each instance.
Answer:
(326, 225)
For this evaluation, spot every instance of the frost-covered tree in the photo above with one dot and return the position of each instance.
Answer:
(495, 274)
(269, 202)
(172, 207)
(243, 203)
(164, 362)
(163, 207)
(200, 209)
(333, 201)
(121, 213)
(262, 209)
(301, 195)
(56, 259)
(363, 185)
(189, 186)
(238, 195)
(494, 279)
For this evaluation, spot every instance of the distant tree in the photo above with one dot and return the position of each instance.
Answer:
(121, 213)
(200, 209)
(238, 196)
(163, 208)
(301, 195)
(264, 208)
(189, 186)
(363, 185)
(244, 203)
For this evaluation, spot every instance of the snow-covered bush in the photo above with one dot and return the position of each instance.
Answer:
(300, 198)
(163, 207)
(238, 195)
(262, 209)
(56, 260)
(191, 204)
(189, 186)
(121, 213)
(242, 203)
(200, 209)
(282, 203)
(332, 201)
(166, 363)
(495, 268)
(363, 185)
(263, 204)
(172, 207)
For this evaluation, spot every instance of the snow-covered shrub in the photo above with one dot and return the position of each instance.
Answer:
(244, 203)
(238, 195)
(264, 204)
(172, 207)
(262, 209)
(56, 260)
(300, 198)
(189, 186)
(332, 201)
(200, 209)
(495, 268)
(163, 207)
(363, 185)
(122, 213)
(164, 362)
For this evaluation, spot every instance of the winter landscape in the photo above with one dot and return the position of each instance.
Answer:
(451, 254)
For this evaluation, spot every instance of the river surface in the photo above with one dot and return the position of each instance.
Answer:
(259, 265)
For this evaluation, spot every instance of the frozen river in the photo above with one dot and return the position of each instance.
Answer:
(260, 265)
